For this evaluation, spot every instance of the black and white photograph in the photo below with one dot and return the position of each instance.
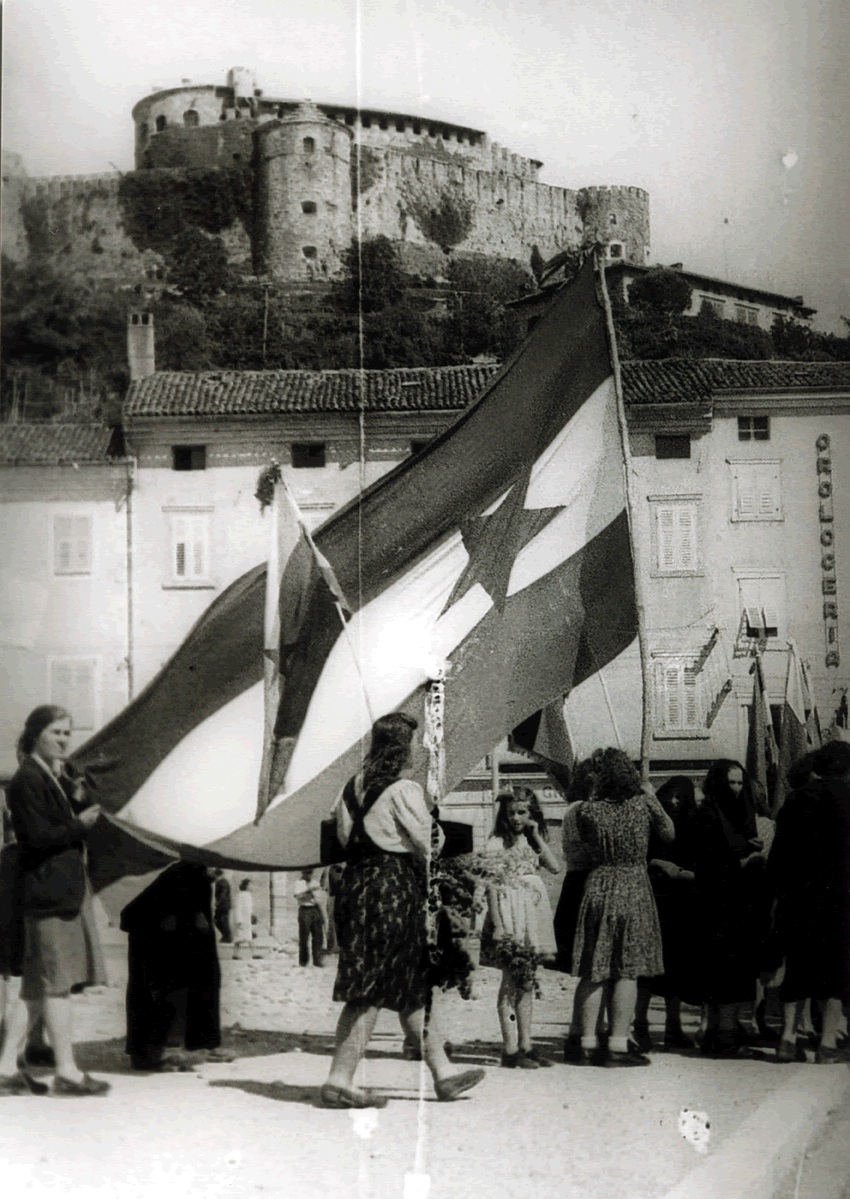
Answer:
(424, 577)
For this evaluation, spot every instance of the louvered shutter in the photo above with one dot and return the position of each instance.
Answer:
(72, 686)
(666, 532)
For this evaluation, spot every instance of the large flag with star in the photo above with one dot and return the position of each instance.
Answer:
(498, 558)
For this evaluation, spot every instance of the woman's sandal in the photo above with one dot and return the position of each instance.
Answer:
(343, 1097)
(452, 1087)
(22, 1084)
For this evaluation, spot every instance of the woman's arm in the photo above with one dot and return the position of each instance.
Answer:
(541, 848)
(414, 818)
(29, 805)
(662, 825)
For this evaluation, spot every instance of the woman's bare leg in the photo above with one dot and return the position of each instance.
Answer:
(353, 1033)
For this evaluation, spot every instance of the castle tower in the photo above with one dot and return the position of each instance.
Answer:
(141, 357)
(617, 217)
(304, 217)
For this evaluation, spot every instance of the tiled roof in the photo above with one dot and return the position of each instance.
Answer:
(686, 380)
(249, 393)
(48, 444)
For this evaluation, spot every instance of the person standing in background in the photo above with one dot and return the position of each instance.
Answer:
(311, 924)
(222, 904)
(244, 913)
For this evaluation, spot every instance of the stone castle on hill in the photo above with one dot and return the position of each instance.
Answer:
(286, 185)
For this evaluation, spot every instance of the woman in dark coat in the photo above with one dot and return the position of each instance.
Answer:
(671, 874)
(50, 838)
(810, 871)
(173, 968)
(729, 876)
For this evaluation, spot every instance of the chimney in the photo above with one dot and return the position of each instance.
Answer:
(140, 345)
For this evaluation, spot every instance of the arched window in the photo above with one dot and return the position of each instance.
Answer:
(190, 118)
(161, 122)
(309, 144)
(308, 206)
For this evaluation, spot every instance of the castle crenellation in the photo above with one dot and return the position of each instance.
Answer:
(320, 175)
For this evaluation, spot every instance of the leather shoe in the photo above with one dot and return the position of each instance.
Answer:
(67, 1087)
(453, 1086)
(632, 1057)
(533, 1055)
(22, 1084)
(344, 1097)
(825, 1055)
(790, 1051)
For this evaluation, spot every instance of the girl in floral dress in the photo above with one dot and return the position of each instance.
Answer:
(519, 929)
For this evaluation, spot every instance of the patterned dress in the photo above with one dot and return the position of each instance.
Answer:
(523, 902)
(618, 934)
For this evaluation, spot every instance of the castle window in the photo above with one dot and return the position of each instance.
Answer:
(308, 251)
(673, 445)
(308, 206)
(309, 144)
(754, 428)
(190, 118)
(188, 457)
(615, 249)
(161, 122)
(308, 454)
(612, 218)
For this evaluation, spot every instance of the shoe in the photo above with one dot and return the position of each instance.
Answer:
(535, 1055)
(217, 1055)
(40, 1055)
(572, 1051)
(22, 1084)
(790, 1051)
(86, 1086)
(526, 1061)
(825, 1055)
(674, 1038)
(632, 1057)
(641, 1038)
(450, 1088)
(509, 1060)
(728, 1046)
(332, 1096)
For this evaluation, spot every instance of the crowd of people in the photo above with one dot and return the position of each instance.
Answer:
(699, 896)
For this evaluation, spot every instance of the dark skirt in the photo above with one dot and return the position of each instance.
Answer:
(566, 917)
(173, 988)
(380, 928)
(11, 914)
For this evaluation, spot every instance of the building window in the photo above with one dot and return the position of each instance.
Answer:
(761, 604)
(309, 144)
(308, 251)
(746, 315)
(161, 122)
(417, 446)
(676, 698)
(675, 535)
(710, 304)
(308, 206)
(188, 457)
(756, 491)
(673, 445)
(754, 428)
(189, 547)
(615, 249)
(190, 118)
(307, 454)
(72, 538)
(73, 686)
(612, 218)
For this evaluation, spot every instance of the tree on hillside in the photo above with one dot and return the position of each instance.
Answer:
(372, 276)
(660, 293)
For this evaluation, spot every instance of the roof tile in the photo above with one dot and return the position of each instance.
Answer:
(48, 444)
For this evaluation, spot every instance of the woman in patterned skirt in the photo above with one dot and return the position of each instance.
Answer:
(385, 824)
(618, 938)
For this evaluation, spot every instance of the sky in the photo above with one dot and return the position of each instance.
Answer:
(733, 114)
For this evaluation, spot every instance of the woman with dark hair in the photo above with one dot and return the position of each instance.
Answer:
(671, 873)
(810, 869)
(618, 938)
(386, 826)
(730, 886)
(50, 837)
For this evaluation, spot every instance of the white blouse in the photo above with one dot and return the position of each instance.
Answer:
(399, 821)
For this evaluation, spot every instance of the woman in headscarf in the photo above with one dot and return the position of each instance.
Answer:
(810, 870)
(174, 974)
(729, 877)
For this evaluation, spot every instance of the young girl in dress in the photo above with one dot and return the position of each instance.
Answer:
(520, 916)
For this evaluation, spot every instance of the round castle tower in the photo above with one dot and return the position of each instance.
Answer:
(304, 212)
(617, 217)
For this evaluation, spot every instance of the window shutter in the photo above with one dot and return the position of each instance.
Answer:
(199, 547)
(72, 686)
(746, 502)
(180, 534)
(81, 543)
(687, 539)
(691, 700)
(768, 493)
(666, 527)
(72, 545)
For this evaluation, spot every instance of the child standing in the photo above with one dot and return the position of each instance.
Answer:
(520, 919)
(244, 914)
(311, 924)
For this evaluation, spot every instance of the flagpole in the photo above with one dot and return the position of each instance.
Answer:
(628, 473)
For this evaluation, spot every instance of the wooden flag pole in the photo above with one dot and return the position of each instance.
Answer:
(628, 473)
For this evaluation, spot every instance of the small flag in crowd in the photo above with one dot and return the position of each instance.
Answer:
(498, 559)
